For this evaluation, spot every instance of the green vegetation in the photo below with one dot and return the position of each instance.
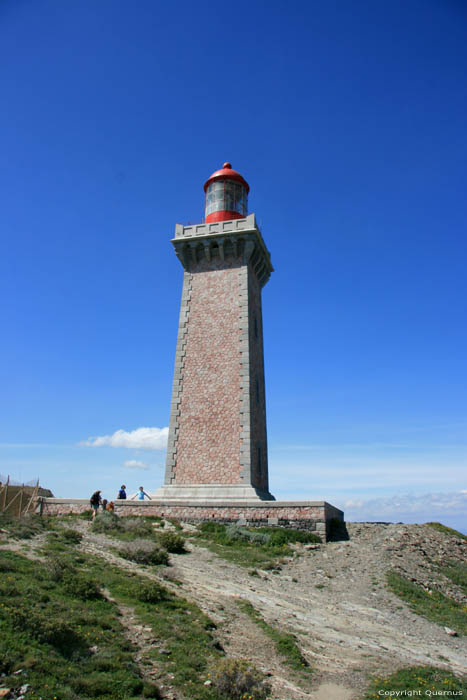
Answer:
(127, 529)
(61, 539)
(420, 678)
(48, 633)
(151, 592)
(56, 625)
(144, 552)
(447, 530)
(286, 643)
(135, 529)
(251, 547)
(24, 528)
(186, 631)
(435, 606)
(457, 572)
(237, 679)
(172, 542)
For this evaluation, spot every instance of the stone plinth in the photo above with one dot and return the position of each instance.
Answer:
(313, 516)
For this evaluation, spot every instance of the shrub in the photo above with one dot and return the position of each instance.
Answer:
(151, 690)
(279, 536)
(235, 679)
(59, 567)
(210, 528)
(151, 592)
(71, 536)
(9, 590)
(23, 528)
(86, 514)
(46, 629)
(106, 522)
(81, 586)
(6, 565)
(235, 532)
(144, 552)
(136, 526)
(172, 542)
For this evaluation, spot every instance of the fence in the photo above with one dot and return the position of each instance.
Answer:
(18, 499)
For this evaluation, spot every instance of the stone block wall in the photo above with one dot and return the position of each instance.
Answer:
(313, 516)
(205, 419)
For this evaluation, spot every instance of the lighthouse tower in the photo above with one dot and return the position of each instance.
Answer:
(217, 447)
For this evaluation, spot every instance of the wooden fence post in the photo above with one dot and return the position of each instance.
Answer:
(5, 494)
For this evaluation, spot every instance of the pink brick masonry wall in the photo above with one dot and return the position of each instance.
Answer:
(208, 444)
(311, 516)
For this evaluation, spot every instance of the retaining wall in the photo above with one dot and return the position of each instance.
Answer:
(313, 516)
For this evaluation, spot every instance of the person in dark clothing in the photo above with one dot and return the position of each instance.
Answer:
(95, 501)
(122, 493)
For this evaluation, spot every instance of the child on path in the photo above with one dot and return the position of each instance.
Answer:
(122, 493)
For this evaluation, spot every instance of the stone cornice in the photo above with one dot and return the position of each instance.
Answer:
(238, 237)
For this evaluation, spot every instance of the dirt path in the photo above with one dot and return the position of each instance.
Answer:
(332, 597)
(237, 633)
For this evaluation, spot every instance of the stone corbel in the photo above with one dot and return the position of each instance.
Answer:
(193, 245)
(248, 252)
(220, 243)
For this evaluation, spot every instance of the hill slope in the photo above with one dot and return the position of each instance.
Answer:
(333, 598)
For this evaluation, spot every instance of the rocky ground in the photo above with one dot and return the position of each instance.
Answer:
(332, 596)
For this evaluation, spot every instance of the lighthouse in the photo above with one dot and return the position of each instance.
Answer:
(217, 445)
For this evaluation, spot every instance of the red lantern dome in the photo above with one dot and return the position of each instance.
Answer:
(226, 195)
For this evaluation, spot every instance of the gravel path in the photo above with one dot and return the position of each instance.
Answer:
(332, 597)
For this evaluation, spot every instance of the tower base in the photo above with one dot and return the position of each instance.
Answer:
(211, 493)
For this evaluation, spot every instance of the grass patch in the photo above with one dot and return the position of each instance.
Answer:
(25, 527)
(457, 572)
(286, 643)
(447, 530)
(250, 547)
(56, 625)
(179, 626)
(435, 607)
(418, 678)
(49, 633)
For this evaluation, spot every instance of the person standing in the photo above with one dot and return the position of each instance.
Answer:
(122, 493)
(141, 494)
(95, 501)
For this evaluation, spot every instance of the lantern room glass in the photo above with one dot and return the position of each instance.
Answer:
(226, 195)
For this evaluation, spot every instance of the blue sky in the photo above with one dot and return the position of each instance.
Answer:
(348, 121)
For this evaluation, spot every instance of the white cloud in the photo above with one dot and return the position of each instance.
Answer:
(141, 438)
(353, 504)
(449, 508)
(135, 464)
(408, 503)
